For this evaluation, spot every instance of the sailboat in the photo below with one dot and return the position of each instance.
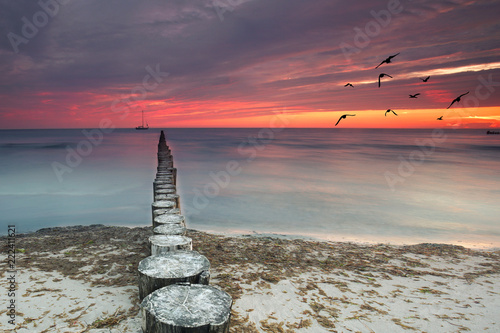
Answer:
(142, 127)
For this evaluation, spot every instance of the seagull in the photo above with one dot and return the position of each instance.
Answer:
(440, 118)
(389, 110)
(388, 60)
(457, 99)
(426, 79)
(382, 75)
(343, 117)
(414, 96)
(348, 84)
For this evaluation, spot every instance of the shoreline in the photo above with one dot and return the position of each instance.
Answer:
(83, 279)
(483, 246)
(358, 239)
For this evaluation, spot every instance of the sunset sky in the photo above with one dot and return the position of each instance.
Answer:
(240, 63)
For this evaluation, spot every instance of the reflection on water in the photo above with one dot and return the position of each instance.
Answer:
(368, 185)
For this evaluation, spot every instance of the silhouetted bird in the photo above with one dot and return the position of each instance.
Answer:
(426, 79)
(343, 117)
(414, 96)
(457, 99)
(389, 110)
(440, 118)
(381, 76)
(348, 84)
(388, 60)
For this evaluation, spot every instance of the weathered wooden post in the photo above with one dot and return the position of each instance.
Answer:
(169, 196)
(168, 219)
(166, 194)
(159, 212)
(170, 229)
(165, 191)
(172, 267)
(162, 204)
(166, 243)
(186, 308)
(173, 281)
(165, 178)
(159, 197)
(163, 185)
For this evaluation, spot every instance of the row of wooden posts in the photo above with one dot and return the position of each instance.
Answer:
(174, 280)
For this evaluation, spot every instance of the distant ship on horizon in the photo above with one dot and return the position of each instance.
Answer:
(142, 127)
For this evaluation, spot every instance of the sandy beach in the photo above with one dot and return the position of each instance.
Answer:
(83, 279)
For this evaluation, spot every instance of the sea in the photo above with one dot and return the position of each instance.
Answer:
(396, 186)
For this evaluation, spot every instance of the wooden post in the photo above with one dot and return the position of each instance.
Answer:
(170, 229)
(173, 175)
(162, 137)
(163, 182)
(172, 267)
(173, 281)
(168, 219)
(165, 191)
(162, 204)
(165, 243)
(186, 308)
(166, 178)
(163, 185)
(159, 212)
(170, 196)
(164, 173)
(160, 197)
(164, 194)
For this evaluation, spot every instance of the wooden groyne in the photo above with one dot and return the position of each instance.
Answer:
(174, 281)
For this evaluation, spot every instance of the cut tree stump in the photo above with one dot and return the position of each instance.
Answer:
(170, 229)
(168, 268)
(169, 219)
(186, 309)
(167, 243)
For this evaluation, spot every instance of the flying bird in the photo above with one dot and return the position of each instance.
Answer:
(426, 79)
(457, 99)
(414, 96)
(440, 118)
(343, 117)
(381, 76)
(389, 110)
(348, 84)
(388, 60)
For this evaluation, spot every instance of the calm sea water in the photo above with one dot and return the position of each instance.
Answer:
(396, 186)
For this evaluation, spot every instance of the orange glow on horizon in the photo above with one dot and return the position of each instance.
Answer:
(487, 117)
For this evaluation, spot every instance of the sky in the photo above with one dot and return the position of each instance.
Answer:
(246, 63)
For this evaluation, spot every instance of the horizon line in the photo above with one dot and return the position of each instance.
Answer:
(334, 128)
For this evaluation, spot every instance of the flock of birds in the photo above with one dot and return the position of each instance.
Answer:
(388, 60)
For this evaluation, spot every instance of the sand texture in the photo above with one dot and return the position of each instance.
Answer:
(84, 279)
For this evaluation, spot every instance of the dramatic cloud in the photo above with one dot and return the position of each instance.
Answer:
(231, 62)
